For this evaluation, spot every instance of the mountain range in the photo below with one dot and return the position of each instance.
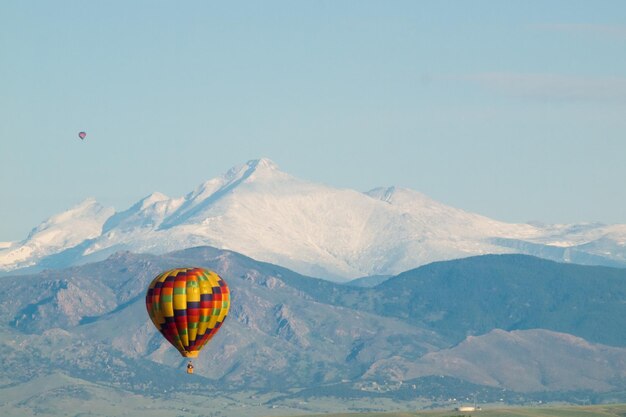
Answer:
(257, 210)
(510, 328)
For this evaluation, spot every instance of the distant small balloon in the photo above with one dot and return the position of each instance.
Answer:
(82, 135)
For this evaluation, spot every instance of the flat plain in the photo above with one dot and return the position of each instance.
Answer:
(612, 410)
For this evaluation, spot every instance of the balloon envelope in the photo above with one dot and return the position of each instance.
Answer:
(188, 306)
(82, 135)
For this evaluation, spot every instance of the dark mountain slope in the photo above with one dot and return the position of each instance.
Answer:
(512, 292)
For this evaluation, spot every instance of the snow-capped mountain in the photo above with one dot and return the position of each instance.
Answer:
(262, 212)
(60, 232)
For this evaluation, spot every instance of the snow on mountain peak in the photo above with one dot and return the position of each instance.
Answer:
(399, 196)
(249, 168)
(233, 177)
(205, 196)
(262, 212)
(262, 164)
(83, 212)
(64, 230)
(253, 170)
(153, 198)
(147, 212)
(382, 193)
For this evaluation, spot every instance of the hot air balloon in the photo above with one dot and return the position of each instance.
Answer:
(82, 135)
(188, 306)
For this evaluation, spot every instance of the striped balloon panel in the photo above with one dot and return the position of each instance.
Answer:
(188, 306)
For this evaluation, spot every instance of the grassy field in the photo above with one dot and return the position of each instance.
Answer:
(614, 410)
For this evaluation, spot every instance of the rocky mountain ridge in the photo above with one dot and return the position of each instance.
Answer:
(287, 330)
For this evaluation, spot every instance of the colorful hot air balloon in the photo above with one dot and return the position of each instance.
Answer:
(82, 135)
(188, 306)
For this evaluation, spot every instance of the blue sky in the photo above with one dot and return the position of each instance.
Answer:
(514, 110)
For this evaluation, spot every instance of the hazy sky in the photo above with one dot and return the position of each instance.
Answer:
(512, 109)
